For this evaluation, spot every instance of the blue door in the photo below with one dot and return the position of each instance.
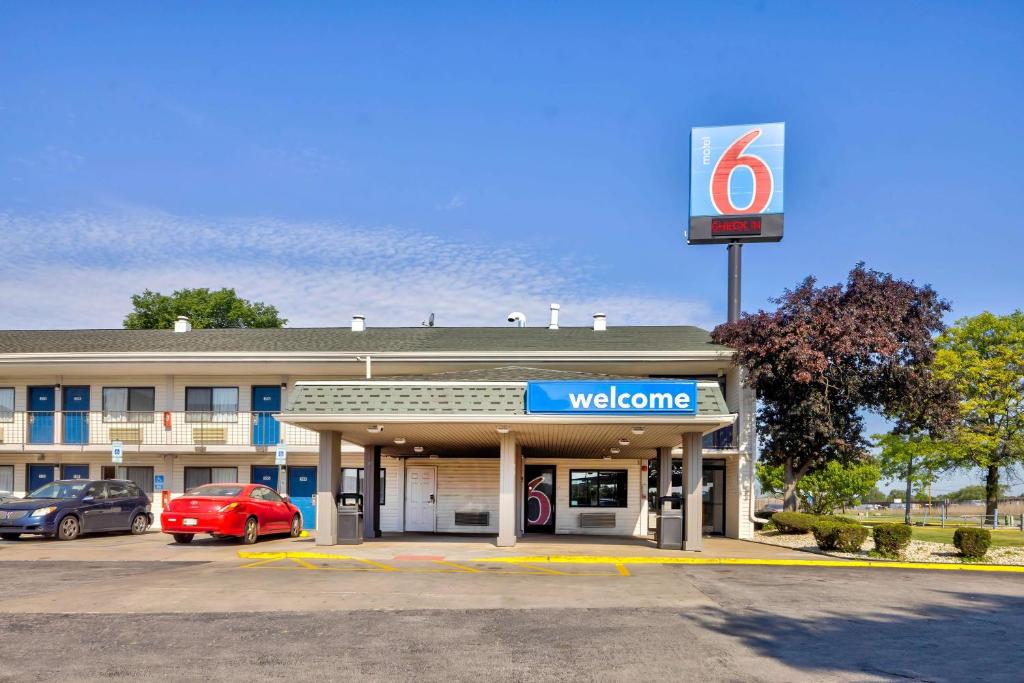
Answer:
(74, 472)
(75, 410)
(301, 490)
(265, 475)
(266, 431)
(39, 475)
(40, 416)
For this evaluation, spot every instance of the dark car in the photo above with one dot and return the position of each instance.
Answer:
(66, 509)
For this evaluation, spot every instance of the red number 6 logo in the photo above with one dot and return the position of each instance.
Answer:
(732, 159)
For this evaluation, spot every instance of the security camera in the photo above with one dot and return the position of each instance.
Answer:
(518, 318)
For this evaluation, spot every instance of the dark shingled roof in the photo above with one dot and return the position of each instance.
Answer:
(372, 340)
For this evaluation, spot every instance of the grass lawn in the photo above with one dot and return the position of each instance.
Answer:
(934, 534)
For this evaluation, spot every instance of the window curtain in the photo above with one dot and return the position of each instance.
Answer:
(6, 404)
(7, 479)
(224, 475)
(225, 404)
(115, 405)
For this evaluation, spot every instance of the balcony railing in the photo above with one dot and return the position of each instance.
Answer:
(172, 428)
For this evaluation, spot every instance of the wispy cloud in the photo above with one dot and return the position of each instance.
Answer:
(457, 201)
(79, 269)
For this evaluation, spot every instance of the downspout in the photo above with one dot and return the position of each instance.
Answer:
(369, 365)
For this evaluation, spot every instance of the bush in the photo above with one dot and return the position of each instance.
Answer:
(837, 518)
(794, 522)
(891, 539)
(841, 536)
(972, 542)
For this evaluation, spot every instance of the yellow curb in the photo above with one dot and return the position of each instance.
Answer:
(600, 559)
(290, 555)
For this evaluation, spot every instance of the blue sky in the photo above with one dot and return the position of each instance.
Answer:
(400, 159)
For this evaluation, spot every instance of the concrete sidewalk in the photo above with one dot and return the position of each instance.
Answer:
(155, 546)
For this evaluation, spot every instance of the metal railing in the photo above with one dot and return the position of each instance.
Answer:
(158, 428)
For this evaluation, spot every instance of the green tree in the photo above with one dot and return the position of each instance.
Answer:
(983, 357)
(975, 492)
(916, 459)
(822, 491)
(829, 354)
(205, 309)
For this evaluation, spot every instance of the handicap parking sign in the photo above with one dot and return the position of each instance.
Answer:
(281, 456)
(117, 452)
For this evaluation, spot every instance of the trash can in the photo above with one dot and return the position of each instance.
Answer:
(350, 519)
(670, 524)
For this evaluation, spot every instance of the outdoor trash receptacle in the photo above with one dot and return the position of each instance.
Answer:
(350, 519)
(670, 526)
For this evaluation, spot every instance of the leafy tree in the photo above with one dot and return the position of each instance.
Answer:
(983, 357)
(915, 458)
(825, 355)
(204, 308)
(832, 486)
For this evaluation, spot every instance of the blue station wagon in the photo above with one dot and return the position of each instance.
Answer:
(69, 508)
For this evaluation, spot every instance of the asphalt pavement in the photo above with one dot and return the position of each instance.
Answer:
(242, 620)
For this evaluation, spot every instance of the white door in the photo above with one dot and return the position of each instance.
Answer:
(421, 485)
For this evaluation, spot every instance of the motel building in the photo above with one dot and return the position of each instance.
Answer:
(498, 432)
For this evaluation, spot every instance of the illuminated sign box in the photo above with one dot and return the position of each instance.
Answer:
(736, 184)
(601, 397)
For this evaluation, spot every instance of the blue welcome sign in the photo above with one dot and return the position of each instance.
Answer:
(602, 397)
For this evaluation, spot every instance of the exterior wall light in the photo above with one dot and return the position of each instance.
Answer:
(614, 450)
(503, 429)
(399, 440)
(638, 430)
(375, 429)
(417, 449)
(623, 442)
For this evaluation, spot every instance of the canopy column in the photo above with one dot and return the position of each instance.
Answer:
(328, 481)
(371, 494)
(693, 488)
(507, 491)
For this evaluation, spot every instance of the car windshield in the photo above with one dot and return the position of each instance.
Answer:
(60, 489)
(216, 490)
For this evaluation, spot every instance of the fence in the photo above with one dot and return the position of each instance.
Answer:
(167, 428)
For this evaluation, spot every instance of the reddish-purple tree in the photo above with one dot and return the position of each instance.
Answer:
(827, 354)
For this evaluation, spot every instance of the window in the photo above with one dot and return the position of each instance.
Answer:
(211, 404)
(128, 404)
(263, 493)
(6, 404)
(140, 476)
(598, 489)
(117, 489)
(200, 476)
(352, 481)
(6, 478)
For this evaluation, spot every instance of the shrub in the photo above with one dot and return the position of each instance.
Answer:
(972, 542)
(891, 539)
(794, 522)
(841, 536)
(842, 520)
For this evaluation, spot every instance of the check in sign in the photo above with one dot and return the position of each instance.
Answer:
(612, 398)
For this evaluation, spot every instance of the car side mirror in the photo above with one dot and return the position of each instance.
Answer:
(285, 498)
(88, 499)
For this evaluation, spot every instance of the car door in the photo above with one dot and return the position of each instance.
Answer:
(281, 511)
(270, 518)
(120, 506)
(94, 509)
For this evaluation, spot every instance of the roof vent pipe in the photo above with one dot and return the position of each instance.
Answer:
(182, 324)
(553, 325)
(358, 323)
(600, 323)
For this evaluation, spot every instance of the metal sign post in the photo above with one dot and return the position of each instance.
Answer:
(735, 265)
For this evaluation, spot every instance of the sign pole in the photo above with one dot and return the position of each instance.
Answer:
(735, 261)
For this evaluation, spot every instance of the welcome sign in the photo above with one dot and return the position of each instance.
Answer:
(628, 397)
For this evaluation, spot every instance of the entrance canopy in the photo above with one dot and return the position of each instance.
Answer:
(457, 414)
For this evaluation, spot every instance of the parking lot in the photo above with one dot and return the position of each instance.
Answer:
(449, 609)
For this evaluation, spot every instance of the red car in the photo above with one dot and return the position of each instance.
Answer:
(244, 511)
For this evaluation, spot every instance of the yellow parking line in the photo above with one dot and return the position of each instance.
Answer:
(289, 554)
(460, 567)
(538, 570)
(258, 563)
(622, 569)
(303, 563)
(379, 565)
(601, 559)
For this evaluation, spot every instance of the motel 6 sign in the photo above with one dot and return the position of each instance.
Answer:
(736, 183)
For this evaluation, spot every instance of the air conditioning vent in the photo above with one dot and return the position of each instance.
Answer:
(597, 520)
(472, 519)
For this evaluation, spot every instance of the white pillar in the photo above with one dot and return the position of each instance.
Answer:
(328, 474)
(693, 480)
(520, 494)
(507, 491)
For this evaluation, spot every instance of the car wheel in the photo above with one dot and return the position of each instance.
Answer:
(68, 529)
(251, 532)
(10, 537)
(183, 538)
(139, 524)
(296, 526)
